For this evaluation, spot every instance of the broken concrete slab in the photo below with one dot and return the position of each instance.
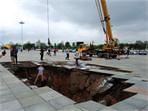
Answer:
(91, 106)
(60, 102)
(40, 107)
(139, 87)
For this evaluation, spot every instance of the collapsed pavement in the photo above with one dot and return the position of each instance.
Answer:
(77, 83)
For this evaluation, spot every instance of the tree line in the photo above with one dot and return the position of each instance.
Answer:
(138, 45)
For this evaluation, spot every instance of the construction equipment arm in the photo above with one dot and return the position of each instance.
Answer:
(105, 21)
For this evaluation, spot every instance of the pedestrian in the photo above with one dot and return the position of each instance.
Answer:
(55, 51)
(77, 57)
(49, 51)
(42, 53)
(4, 52)
(13, 55)
(127, 52)
(67, 54)
(40, 73)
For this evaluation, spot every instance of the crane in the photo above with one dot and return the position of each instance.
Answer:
(110, 48)
(111, 42)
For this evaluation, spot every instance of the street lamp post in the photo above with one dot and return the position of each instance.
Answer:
(48, 25)
(22, 23)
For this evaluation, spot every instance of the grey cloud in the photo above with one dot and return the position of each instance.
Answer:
(123, 12)
(84, 12)
(127, 16)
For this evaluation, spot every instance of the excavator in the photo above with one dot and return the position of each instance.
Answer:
(111, 47)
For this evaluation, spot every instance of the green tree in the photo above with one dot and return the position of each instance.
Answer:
(55, 45)
(17, 45)
(40, 44)
(74, 45)
(60, 45)
(29, 45)
(43, 45)
(67, 45)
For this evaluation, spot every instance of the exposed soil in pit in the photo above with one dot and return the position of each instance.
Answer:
(79, 85)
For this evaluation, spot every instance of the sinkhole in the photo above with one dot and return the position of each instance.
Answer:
(77, 83)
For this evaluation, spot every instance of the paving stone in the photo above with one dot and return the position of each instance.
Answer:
(145, 109)
(3, 87)
(5, 92)
(138, 101)
(7, 98)
(134, 80)
(10, 106)
(140, 96)
(7, 75)
(17, 85)
(139, 87)
(28, 101)
(50, 95)
(138, 104)
(123, 106)
(24, 94)
(12, 81)
(42, 90)
(40, 107)
(108, 109)
(20, 110)
(91, 106)
(126, 76)
(139, 90)
(142, 85)
(60, 102)
(72, 108)
(19, 90)
(68, 67)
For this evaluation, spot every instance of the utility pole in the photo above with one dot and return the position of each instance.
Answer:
(22, 23)
(48, 24)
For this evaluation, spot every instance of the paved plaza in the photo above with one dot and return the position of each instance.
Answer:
(16, 96)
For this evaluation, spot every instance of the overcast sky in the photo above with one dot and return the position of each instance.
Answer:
(71, 20)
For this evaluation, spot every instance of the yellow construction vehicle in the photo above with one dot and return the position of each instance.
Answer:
(110, 48)
(8, 46)
(83, 50)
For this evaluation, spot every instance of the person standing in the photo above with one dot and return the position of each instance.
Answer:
(42, 53)
(55, 51)
(3, 53)
(77, 57)
(127, 52)
(49, 51)
(67, 54)
(13, 55)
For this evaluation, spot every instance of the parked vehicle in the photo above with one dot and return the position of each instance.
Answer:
(143, 52)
